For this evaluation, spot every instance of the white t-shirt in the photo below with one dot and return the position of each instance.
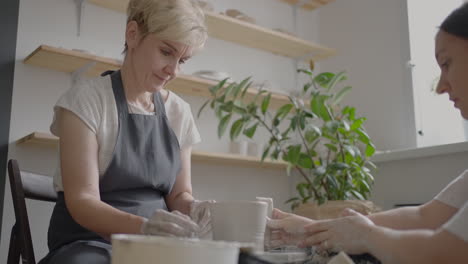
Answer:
(456, 195)
(92, 100)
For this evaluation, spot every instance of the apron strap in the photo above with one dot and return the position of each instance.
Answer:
(159, 104)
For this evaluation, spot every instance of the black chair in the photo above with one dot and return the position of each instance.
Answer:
(31, 186)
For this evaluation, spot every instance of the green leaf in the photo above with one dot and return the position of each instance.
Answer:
(294, 153)
(304, 71)
(306, 87)
(236, 129)
(358, 123)
(318, 106)
(370, 150)
(305, 161)
(350, 150)
(340, 95)
(292, 200)
(371, 164)
(249, 132)
(283, 111)
(241, 86)
(310, 136)
(266, 103)
(223, 125)
(331, 147)
(227, 107)
(266, 152)
(339, 166)
(202, 107)
(246, 88)
(302, 189)
(239, 110)
(346, 126)
(229, 90)
(357, 195)
(323, 79)
(259, 93)
(214, 89)
(333, 126)
(341, 76)
(363, 136)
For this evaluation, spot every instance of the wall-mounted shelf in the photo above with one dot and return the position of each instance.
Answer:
(43, 139)
(309, 4)
(64, 60)
(250, 35)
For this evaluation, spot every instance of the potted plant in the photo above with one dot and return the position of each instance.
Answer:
(319, 138)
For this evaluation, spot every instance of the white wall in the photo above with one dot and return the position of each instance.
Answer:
(54, 22)
(372, 40)
(415, 181)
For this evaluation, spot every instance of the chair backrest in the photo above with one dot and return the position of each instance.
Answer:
(32, 186)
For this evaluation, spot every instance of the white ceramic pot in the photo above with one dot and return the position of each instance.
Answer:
(131, 249)
(239, 221)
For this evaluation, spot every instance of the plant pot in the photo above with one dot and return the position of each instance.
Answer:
(333, 209)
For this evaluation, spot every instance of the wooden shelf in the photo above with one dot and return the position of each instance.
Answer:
(69, 61)
(250, 35)
(43, 139)
(310, 4)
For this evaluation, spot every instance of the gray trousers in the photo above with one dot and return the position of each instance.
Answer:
(81, 252)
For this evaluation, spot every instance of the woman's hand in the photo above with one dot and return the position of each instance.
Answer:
(164, 223)
(349, 233)
(286, 229)
(200, 213)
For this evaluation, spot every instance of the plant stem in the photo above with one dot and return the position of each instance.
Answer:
(296, 166)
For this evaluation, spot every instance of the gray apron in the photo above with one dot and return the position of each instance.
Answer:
(144, 166)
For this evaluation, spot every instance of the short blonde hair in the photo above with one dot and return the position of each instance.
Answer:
(176, 20)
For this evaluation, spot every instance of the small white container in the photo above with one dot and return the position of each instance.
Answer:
(239, 221)
(239, 147)
(255, 149)
(131, 249)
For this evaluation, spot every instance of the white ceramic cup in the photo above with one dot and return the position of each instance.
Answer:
(239, 147)
(130, 249)
(239, 221)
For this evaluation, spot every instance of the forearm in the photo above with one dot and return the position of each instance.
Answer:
(416, 246)
(102, 218)
(401, 218)
(180, 202)
(428, 216)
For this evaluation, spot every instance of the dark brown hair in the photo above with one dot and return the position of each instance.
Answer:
(457, 22)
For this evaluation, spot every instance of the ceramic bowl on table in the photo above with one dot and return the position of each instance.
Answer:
(131, 249)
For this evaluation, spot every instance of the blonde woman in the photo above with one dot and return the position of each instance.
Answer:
(125, 142)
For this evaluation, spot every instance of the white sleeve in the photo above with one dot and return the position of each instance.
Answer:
(190, 134)
(457, 225)
(456, 193)
(82, 100)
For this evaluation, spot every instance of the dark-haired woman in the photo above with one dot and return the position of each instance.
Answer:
(436, 232)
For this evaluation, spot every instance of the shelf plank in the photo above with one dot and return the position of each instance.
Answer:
(69, 61)
(44, 139)
(254, 36)
(309, 5)
(248, 34)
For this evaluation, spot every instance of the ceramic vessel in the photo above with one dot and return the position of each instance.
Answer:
(131, 249)
(239, 221)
